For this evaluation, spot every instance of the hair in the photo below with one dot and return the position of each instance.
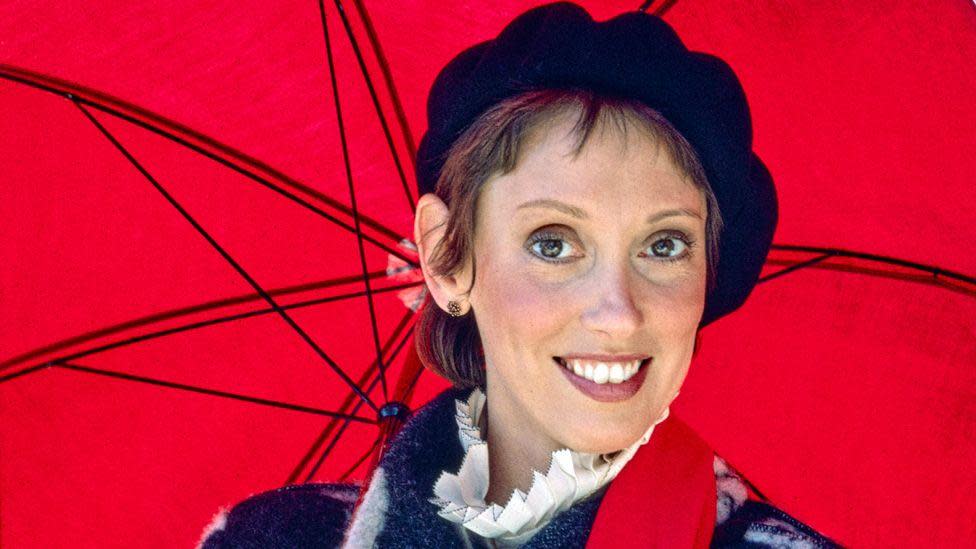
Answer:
(451, 346)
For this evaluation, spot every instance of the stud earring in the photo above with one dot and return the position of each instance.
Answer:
(453, 308)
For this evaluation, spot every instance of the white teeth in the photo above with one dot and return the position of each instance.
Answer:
(603, 372)
(617, 373)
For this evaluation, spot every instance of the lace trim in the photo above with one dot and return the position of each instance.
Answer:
(572, 476)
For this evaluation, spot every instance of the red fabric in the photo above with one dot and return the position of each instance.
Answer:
(844, 391)
(665, 496)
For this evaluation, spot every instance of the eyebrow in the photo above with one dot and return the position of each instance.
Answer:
(554, 205)
(580, 214)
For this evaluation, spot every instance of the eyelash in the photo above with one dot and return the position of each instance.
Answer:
(677, 235)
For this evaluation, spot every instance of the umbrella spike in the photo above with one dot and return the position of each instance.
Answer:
(390, 419)
(392, 416)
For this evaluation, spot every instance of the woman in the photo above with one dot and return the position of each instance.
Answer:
(589, 201)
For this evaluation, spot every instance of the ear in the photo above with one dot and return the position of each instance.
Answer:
(430, 225)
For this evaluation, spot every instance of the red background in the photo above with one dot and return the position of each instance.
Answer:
(847, 393)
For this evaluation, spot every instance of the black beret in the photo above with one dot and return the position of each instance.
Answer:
(634, 55)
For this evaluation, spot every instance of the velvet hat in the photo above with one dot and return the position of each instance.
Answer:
(638, 56)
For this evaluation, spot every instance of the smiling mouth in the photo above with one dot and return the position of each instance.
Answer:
(605, 381)
(600, 372)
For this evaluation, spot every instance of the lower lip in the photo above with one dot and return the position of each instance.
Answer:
(608, 392)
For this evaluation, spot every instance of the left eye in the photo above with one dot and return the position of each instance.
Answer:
(669, 247)
(552, 248)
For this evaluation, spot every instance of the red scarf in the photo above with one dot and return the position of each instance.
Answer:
(664, 497)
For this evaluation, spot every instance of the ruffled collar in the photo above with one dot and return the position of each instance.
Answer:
(572, 476)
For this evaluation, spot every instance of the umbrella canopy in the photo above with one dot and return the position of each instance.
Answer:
(193, 192)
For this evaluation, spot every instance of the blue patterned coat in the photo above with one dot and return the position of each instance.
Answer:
(396, 511)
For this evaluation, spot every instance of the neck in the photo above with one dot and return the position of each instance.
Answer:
(513, 453)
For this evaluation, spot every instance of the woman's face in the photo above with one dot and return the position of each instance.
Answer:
(588, 268)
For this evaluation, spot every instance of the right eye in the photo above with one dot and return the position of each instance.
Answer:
(551, 247)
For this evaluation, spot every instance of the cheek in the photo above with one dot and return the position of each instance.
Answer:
(679, 294)
(515, 308)
(683, 301)
(673, 312)
(675, 320)
(513, 305)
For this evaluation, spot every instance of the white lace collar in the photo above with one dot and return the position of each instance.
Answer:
(572, 476)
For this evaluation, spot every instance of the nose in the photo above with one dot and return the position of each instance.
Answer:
(613, 311)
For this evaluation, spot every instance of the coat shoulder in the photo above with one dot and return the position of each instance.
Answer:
(301, 515)
(759, 525)
(744, 521)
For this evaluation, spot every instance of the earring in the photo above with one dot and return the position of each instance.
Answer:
(453, 308)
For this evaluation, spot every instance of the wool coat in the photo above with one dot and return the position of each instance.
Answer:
(396, 510)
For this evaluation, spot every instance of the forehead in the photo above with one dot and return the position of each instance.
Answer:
(620, 169)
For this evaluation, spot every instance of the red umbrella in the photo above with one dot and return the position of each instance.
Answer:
(185, 311)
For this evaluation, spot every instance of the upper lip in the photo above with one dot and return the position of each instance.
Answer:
(605, 358)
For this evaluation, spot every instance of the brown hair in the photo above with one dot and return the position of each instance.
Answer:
(451, 346)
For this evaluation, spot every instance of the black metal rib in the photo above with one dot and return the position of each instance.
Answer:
(366, 378)
(172, 314)
(795, 267)
(205, 146)
(373, 96)
(753, 487)
(327, 451)
(936, 272)
(660, 10)
(342, 428)
(374, 42)
(205, 323)
(212, 392)
(359, 461)
(240, 270)
(352, 197)
(413, 384)
(23, 372)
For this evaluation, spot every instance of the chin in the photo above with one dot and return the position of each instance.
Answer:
(603, 439)
(603, 430)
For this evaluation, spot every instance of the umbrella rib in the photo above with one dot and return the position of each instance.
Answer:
(171, 131)
(413, 384)
(327, 451)
(747, 482)
(753, 487)
(279, 190)
(359, 461)
(388, 80)
(796, 267)
(25, 371)
(211, 322)
(936, 272)
(661, 10)
(192, 309)
(352, 197)
(211, 392)
(372, 94)
(240, 270)
(349, 401)
(342, 428)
